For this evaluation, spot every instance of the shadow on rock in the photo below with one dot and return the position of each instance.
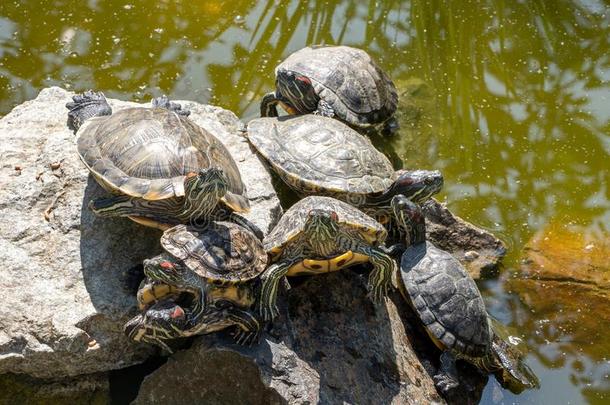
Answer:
(110, 249)
(330, 344)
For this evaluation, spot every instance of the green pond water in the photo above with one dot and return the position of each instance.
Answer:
(510, 99)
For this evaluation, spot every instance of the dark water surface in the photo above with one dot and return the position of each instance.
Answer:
(510, 99)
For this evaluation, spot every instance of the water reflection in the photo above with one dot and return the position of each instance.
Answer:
(509, 99)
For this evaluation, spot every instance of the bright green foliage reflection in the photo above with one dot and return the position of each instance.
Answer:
(510, 99)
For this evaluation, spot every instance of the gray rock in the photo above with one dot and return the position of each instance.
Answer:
(64, 302)
(477, 249)
(330, 345)
(92, 389)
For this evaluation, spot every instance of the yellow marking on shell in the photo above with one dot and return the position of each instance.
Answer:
(150, 222)
(437, 342)
(152, 293)
(320, 266)
(231, 292)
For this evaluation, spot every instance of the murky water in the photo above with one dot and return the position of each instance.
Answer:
(511, 100)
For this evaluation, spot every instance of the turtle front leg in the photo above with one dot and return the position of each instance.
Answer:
(248, 326)
(84, 106)
(164, 102)
(381, 275)
(270, 279)
(324, 109)
(269, 105)
(447, 378)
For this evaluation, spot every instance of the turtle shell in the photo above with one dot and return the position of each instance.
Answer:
(446, 299)
(348, 79)
(146, 152)
(292, 223)
(320, 154)
(223, 252)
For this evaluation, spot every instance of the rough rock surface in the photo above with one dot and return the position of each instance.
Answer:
(64, 302)
(90, 389)
(330, 345)
(477, 249)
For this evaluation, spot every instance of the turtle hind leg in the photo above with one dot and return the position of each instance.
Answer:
(269, 105)
(125, 206)
(447, 378)
(84, 106)
(164, 102)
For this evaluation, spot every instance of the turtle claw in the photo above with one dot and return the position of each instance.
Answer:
(268, 313)
(245, 337)
(164, 102)
(445, 383)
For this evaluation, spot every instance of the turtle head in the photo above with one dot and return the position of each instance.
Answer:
(211, 181)
(202, 192)
(165, 320)
(166, 269)
(409, 218)
(321, 224)
(295, 91)
(418, 185)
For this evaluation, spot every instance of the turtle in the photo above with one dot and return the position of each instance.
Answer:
(333, 81)
(162, 167)
(451, 309)
(205, 281)
(319, 235)
(322, 156)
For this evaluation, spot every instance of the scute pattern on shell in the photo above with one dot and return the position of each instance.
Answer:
(146, 152)
(446, 299)
(312, 152)
(223, 252)
(293, 221)
(348, 79)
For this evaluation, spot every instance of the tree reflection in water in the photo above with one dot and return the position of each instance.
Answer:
(509, 99)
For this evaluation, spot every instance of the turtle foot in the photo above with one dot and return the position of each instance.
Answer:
(445, 383)
(245, 338)
(164, 102)
(268, 313)
(84, 106)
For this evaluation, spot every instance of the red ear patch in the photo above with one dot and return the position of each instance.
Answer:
(166, 265)
(334, 216)
(191, 174)
(304, 79)
(178, 313)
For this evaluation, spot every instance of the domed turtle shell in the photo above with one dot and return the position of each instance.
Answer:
(446, 299)
(292, 223)
(348, 79)
(146, 153)
(320, 154)
(223, 252)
